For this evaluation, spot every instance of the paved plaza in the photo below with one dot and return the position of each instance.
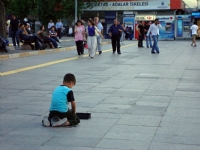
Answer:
(137, 100)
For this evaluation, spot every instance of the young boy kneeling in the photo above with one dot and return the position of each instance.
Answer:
(60, 115)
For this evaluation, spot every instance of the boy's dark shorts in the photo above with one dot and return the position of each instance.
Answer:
(72, 118)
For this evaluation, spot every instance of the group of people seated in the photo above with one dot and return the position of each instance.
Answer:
(40, 38)
(24, 33)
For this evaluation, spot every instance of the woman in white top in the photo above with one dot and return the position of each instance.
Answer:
(91, 37)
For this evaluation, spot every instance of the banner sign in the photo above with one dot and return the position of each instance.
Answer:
(145, 18)
(167, 30)
(131, 5)
(179, 28)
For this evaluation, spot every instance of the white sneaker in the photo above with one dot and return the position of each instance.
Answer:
(56, 121)
(45, 121)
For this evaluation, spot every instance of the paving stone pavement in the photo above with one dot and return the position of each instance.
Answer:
(138, 101)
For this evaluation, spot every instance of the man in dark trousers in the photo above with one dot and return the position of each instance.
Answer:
(14, 23)
(115, 32)
(141, 34)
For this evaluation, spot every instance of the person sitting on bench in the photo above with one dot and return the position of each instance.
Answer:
(27, 28)
(53, 34)
(43, 35)
(27, 37)
(4, 42)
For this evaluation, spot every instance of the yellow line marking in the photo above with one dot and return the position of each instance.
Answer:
(50, 63)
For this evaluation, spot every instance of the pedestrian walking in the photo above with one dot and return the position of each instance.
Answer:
(70, 31)
(141, 34)
(92, 33)
(14, 23)
(50, 24)
(154, 31)
(99, 38)
(193, 31)
(79, 31)
(148, 38)
(127, 33)
(59, 27)
(115, 34)
(123, 34)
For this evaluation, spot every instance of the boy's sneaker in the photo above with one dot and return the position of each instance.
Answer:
(56, 121)
(45, 121)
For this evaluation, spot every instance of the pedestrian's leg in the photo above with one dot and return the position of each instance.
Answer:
(139, 41)
(118, 45)
(89, 43)
(77, 48)
(13, 38)
(53, 42)
(142, 38)
(153, 47)
(81, 47)
(147, 42)
(156, 45)
(113, 44)
(17, 39)
(93, 46)
(195, 40)
(150, 41)
(59, 33)
(99, 46)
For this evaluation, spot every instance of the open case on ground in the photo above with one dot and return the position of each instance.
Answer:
(84, 115)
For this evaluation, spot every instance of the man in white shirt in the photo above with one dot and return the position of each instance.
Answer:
(70, 31)
(193, 30)
(50, 24)
(99, 39)
(154, 32)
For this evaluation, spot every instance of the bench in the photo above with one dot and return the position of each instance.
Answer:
(27, 44)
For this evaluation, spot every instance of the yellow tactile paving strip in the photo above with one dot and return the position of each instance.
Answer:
(39, 52)
(50, 63)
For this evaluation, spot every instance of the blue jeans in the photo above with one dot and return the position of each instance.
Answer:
(155, 44)
(148, 40)
(53, 41)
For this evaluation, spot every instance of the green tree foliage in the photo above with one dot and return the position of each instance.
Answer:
(45, 10)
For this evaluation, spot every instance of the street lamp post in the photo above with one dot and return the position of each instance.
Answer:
(75, 19)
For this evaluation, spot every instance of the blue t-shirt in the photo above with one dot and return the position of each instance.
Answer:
(91, 31)
(59, 100)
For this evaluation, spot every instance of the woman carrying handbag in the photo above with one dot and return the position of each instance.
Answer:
(92, 33)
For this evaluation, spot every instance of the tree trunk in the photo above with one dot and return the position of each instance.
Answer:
(2, 20)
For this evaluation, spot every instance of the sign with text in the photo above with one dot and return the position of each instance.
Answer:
(145, 18)
(131, 5)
